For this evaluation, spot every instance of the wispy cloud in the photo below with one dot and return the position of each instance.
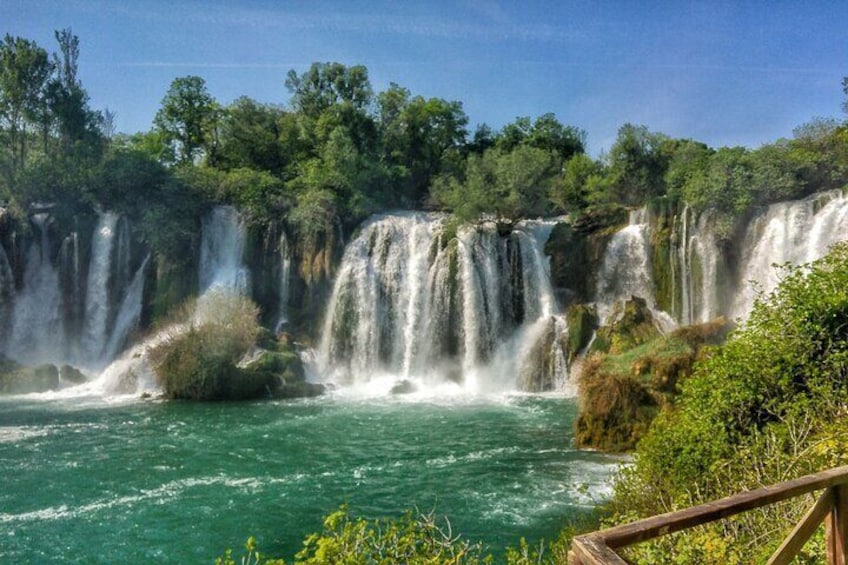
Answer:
(203, 65)
(433, 27)
(498, 26)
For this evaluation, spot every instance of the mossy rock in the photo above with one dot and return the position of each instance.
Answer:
(403, 387)
(18, 379)
(582, 322)
(71, 375)
(286, 365)
(710, 333)
(576, 251)
(570, 266)
(601, 218)
(246, 385)
(615, 411)
(622, 393)
(632, 325)
(540, 371)
(300, 389)
(663, 249)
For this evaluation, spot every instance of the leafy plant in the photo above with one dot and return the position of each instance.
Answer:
(763, 408)
(198, 360)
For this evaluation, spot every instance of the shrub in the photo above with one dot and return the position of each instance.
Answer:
(199, 360)
(413, 538)
(767, 406)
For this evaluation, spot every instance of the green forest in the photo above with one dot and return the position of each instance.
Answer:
(764, 406)
(335, 151)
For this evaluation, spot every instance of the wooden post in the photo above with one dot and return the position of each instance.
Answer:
(836, 528)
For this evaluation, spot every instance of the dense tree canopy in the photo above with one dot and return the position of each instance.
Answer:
(188, 118)
(338, 151)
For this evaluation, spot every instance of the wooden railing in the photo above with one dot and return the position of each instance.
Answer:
(599, 548)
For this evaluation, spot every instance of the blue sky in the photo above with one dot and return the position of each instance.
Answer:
(726, 73)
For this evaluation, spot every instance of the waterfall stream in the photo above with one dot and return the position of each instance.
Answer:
(285, 280)
(414, 302)
(796, 232)
(626, 267)
(97, 304)
(37, 334)
(221, 268)
(66, 312)
(416, 299)
(222, 250)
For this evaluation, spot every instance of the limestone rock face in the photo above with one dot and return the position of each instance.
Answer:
(19, 379)
(631, 324)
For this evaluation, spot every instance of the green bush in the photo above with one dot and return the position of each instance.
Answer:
(767, 406)
(413, 539)
(199, 360)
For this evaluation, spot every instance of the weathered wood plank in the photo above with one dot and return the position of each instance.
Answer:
(804, 529)
(593, 551)
(836, 528)
(663, 524)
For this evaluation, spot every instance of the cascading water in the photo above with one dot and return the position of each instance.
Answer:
(128, 313)
(222, 269)
(37, 334)
(698, 267)
(285, 280)
(7, 297)
(72, 289)
(626, 271)
(59, 315)
(413, 302)
(97, 304)
(222, 250)
(796, 232)
(626, 267)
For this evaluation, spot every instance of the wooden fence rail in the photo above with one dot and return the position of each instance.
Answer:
(599, 548)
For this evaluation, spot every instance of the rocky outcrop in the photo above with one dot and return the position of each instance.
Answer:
(631, 324)
(20, 379)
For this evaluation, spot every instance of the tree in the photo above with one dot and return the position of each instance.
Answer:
(188, 117)
(417, 134)
(689, 158)
(327, 84)
(514, 134)
(483, 139)
(67, 101)
(523, 178)
(724, 184)
(637, 165)
(504, 186)
(24, 71)
(571, 191)
(546, 132)
(256, 135)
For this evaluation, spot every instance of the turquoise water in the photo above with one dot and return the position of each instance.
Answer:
(88, 481)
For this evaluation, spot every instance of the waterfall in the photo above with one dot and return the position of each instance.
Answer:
(128, 314)
(37, 331)
(71, 284)
(221, 268)
(71, 313)
(698, 265)
(285, 281)
(415, 301)
(222, 251)
(793, 232)
(97, 303)
(7, 297)
(626, 267)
